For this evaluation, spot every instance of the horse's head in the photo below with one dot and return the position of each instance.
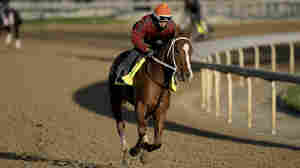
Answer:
(180, 51)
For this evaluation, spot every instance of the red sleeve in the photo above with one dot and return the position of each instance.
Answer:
(138, 34)
(172, 29)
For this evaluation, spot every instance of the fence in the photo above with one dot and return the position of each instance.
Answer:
(235, 10)
(253, 9)
(210, 70)
(40, 10)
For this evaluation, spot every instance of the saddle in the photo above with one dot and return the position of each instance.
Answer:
(125, 67)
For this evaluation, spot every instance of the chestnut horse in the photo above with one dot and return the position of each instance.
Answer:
(150, 93)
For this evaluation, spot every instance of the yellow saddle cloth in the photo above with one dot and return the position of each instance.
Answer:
(128, 79)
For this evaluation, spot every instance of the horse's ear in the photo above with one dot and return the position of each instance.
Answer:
(189, 33)
(180, 30)
(177, 30)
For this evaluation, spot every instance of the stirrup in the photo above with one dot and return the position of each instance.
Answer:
(128, 79)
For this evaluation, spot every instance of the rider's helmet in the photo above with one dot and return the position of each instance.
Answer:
(162, 12)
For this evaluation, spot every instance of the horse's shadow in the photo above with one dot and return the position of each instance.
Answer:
(57, 162)
(95, 98)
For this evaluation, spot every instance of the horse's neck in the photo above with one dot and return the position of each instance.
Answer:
(155, 71)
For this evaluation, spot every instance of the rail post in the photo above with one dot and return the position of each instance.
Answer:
(229, 78)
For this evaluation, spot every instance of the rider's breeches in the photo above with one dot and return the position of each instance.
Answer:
(129, 62)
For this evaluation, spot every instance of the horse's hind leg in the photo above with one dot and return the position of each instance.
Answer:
(116, 105)
(140, 109)
(17, 36)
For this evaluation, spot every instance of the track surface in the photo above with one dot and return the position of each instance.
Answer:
(55, 112)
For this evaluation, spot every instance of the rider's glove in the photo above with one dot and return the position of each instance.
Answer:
(149, 53)
(159, 43)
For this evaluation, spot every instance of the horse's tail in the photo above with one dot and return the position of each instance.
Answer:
(114, 94)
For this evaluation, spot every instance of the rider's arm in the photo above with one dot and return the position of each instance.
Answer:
(171, 30)
(138, 34)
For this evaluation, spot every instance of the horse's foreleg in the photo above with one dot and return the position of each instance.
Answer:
(159, 121)
(160, 117)
(141, 109)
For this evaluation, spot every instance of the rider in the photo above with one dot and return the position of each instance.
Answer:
(193, 9)
(4, 7)
(148, 34)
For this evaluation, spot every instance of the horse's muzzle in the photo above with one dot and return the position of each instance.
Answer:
(184, 76)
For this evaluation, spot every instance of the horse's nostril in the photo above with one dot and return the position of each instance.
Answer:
(189, 76)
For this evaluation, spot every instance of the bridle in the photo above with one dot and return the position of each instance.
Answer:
(171, 53)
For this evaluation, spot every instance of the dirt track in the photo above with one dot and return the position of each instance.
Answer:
(55, 112)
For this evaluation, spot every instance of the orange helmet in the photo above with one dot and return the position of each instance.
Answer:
(162, 12)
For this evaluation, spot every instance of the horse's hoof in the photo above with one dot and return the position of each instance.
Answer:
(153, 147)
(134, 151)
(124, 164)
(144, 158)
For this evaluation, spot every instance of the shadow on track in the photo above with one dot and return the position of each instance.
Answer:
(95, 98)
(53, 162)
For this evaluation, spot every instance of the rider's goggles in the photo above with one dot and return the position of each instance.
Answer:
(164, 18)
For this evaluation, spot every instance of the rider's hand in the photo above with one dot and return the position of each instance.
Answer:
(159, 42)
(149, 53)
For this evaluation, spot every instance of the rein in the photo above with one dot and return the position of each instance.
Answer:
(171, 50)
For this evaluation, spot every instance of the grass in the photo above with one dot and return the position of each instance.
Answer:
(80, 20)
(291, 97)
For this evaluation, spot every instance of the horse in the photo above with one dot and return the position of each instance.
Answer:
(11, 24)
(150, 93)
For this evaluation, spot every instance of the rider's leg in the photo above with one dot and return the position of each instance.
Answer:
(124, 65)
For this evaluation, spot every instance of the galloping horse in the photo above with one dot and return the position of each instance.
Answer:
(12, 22)
(151, 94)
